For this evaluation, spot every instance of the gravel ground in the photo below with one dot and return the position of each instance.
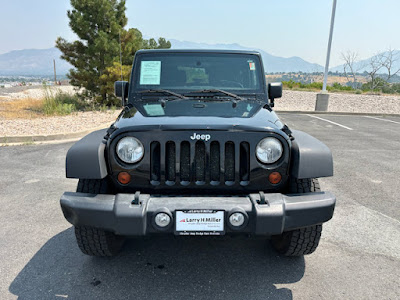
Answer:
(77, 122)
(350, 103)
(33, 92)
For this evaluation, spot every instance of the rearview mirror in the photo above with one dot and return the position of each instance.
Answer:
(121, 90)
(274, 91)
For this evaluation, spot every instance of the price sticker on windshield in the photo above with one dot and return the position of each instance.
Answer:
(150, 73)
(252, 66)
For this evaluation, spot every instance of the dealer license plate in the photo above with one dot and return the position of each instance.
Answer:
(200, 222)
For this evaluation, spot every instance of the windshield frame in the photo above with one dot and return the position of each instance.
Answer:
(134, 89)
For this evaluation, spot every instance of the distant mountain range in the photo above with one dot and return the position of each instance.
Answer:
(40, 61)
(271, 63)
(32, 62)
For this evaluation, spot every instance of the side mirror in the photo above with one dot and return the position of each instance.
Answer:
(274, 91)
(121, 90)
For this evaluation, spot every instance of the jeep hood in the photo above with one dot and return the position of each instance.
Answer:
(200, 115)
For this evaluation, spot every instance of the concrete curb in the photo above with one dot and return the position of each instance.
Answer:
(26, 139)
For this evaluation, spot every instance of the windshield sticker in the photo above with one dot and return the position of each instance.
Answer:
(154, 109)
(150, 73)
(252, 66)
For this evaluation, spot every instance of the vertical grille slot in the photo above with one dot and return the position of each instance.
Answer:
(244, 161)
(155, 161)
(229, 161)
(185, 161)
(200, 161)
(170, 161)
(215, 163)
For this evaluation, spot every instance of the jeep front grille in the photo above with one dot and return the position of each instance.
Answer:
(199, 163)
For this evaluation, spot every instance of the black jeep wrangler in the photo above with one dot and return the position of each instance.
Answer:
(198, 151)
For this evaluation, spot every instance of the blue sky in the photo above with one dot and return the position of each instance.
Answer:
(284, 28)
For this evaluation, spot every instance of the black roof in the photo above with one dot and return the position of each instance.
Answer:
(197, 51)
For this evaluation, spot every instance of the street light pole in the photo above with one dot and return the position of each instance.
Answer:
(323, 98)
(328, 54)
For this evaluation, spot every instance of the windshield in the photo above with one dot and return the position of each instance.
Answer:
(186, 72)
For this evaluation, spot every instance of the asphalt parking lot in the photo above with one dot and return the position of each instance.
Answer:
(358, 257)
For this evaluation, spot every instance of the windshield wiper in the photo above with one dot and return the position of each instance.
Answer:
(217, 91)
(165, 92)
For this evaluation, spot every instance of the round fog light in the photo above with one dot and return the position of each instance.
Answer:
(236, 219)
(124, 177)
(275, 177)
(162, 219)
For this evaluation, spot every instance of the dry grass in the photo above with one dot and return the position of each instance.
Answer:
(21, 109)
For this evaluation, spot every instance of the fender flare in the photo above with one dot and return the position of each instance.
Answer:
(310, 158)
(86, 158)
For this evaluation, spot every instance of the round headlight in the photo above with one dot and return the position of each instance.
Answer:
(130, 150)
(269, 150)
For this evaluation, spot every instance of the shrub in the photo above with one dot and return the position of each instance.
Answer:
(313, 85)
(51, 106)
(103, 108)
(77, 102)
(61, 103)
(338, 86)
(290, 84)
(392, 89)
(378, 85)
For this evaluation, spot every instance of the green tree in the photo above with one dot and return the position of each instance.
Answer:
(110, 75)
(99, 25)
(152, 44)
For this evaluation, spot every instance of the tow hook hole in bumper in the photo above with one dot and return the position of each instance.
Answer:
(236, 212)
(156, 219)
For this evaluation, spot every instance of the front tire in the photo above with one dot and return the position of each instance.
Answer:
(95, 241)
(301, 241)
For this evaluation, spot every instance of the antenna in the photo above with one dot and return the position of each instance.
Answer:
(120, 61)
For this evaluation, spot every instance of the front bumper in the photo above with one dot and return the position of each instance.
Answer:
(133, 214)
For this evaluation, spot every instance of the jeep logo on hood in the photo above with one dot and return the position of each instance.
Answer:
(202, 137)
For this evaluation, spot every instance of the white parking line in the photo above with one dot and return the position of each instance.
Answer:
(382, 119)
(337, 124)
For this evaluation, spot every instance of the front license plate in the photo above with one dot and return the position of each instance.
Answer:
(200, 222)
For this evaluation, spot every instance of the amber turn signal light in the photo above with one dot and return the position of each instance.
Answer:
(124, 177)
(275, 177)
